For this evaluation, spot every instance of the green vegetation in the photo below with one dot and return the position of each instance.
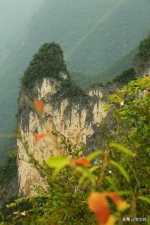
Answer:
(9, 168)
(120, 169)
(97, 38)
(15, 17)
(144, 49)
(93, 35)
(8, 180)
(126, 76)
(7, 143)
(84, 80)
(48, 62)
(117, 68)
(68, 89)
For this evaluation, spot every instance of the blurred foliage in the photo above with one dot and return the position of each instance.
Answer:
(131, 107)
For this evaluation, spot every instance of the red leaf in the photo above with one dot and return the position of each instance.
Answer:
(117, 201)
(40, 136)
(39, 106)
(98, 204)
(82, 161)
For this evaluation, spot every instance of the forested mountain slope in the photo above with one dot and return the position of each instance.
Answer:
(85, 80)
(92, 34)
(15, 15)
(14, 18)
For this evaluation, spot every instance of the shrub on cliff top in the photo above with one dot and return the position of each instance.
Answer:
(47, 62)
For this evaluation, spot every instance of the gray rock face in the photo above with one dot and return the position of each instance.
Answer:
(76, 117)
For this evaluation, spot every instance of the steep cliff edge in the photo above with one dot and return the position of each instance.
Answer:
(72, 112)
(76, 117)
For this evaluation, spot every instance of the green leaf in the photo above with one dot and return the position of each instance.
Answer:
(86, 174)
(122, 148)
(93, 168)
(94, 155)
(81, 180)
(121, 193)
(57, 162)
(112, 183)
(144, 199)
(121, 169)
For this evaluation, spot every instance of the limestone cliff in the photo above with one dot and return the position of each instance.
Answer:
(77, 118)
(73, 113)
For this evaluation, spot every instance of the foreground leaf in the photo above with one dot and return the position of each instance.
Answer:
(111, 220)
(86, 175)
(121, 169)
(83, 161)
(57, 162)
(122, 148)
(98, 204)
(121, 205)
(144, 199)
(93, 155)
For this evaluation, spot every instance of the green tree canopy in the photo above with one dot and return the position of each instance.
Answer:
(47, 62)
